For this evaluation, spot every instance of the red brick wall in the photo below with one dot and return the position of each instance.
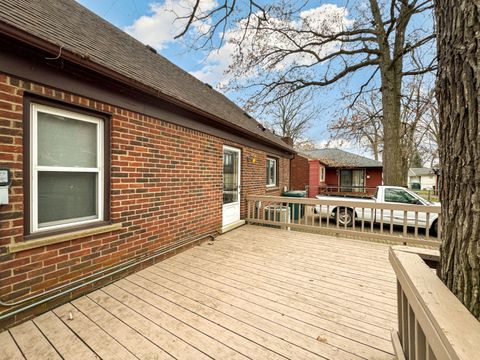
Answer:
(166, 185)
(313, 178)
(299, 173)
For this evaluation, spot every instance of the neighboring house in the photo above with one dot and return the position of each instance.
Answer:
(422, 179)
(115, 153)
(334, 170)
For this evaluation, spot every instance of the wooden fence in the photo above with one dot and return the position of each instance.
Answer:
(432, 323)
(397, 223)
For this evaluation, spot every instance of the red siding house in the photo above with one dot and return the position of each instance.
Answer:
(335, 171)
(117, 158)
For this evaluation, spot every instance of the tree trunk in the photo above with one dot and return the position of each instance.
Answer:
(393, 167)
(458, 94)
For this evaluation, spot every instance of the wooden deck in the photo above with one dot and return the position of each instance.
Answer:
(255, 292)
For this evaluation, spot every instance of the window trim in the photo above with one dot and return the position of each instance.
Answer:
(78, 110)
(275, 183)
(322, 174)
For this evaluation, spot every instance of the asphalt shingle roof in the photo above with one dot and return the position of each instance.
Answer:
(420, 171)
(341, 158)
(72, 27)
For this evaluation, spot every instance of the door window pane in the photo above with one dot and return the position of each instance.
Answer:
(66, 142)
(346, 180)
(66, 197)
(230, 177)
(271, 169)
(358, 180)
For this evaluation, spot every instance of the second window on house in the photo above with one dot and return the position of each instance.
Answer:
(271, 172)
(67, 168)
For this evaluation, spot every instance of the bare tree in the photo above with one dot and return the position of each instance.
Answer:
(287, 47)
(291, 116)
(419, 118)
(458, 93)
(363, 124)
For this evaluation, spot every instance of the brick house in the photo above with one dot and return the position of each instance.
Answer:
(118, 158)
(335, 171)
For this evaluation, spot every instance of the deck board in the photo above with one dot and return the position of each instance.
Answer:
(67, 344)
(255, 292)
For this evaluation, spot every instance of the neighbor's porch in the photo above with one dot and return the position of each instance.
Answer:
(255, 292)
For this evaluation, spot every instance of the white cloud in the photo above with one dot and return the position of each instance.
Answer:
(216, 65)
(159, 28)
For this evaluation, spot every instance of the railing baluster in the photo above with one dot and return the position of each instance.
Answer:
(320, 216)
(381, 221)
(405, 338)
(405, 223)
(416, 224)
(427, 226)
(328, 216)
(391, 222)
(400, 311)
(411, 333)
(420, 343)
(287, 215)
(353, 217)
(372, 219)
(363, 219)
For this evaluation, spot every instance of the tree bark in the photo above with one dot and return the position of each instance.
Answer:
(458, 94)
(393, 165)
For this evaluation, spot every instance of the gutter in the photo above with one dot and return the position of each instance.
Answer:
(84, 61)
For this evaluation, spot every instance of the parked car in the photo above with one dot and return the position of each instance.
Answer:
(383, 195)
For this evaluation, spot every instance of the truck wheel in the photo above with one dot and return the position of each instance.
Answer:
(434, 228)
(345, 216)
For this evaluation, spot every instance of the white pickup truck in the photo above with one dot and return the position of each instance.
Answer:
(384, 195)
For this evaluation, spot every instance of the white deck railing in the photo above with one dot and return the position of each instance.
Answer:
(398, 223)
(432, 323)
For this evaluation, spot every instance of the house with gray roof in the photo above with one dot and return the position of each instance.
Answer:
(111, 154)
(422, 178)
(335, 170)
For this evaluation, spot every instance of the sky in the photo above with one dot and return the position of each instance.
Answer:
(150, 22)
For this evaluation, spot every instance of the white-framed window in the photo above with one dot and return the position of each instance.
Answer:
(66, 168)
(321, 176)
(271, 172)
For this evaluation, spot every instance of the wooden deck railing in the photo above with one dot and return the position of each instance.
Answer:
(398, 223)
(432, 323)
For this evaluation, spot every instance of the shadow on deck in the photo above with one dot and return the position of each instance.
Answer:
(255, 292)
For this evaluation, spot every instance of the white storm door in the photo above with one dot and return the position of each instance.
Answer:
(231, 185)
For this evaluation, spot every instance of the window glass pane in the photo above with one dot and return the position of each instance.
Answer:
(271, 172)
(66, 142)
(230, 177)
(267, 169)
(65, 196)
(399, 196)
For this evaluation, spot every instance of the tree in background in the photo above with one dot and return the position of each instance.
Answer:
(283, 47)
(416, 160)
(458, 94)
(291, 116)
(363, 123)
